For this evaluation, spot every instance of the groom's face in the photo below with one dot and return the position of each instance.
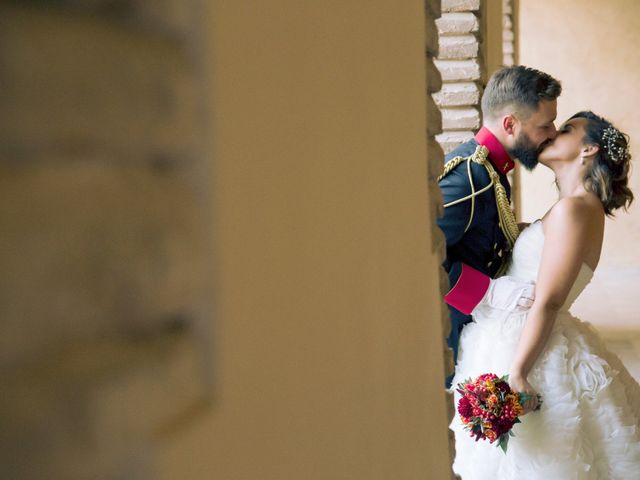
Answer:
(535, 132)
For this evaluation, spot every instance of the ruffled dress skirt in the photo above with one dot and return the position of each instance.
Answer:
(589, 424)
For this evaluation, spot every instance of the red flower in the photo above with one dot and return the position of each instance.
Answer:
(503, 387)
(488, 376)
(465, 408)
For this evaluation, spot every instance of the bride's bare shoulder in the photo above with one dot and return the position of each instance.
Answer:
(579, 211)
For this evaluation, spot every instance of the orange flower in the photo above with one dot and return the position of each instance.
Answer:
(517, 409)
(491, 386)
(490, 434)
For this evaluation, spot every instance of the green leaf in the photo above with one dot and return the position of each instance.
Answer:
(504, 443)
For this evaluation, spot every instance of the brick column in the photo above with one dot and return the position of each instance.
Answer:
(460, 66)
(508, 33)
(457, 61)
(509, 57)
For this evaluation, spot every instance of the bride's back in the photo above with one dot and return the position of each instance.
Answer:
(586, 213)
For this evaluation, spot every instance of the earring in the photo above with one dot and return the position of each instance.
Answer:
(582, 161)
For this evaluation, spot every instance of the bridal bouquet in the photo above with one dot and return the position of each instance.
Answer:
(489, 409)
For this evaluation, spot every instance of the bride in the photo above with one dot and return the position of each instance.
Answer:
(588, 426)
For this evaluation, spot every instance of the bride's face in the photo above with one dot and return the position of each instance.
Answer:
(567, 145)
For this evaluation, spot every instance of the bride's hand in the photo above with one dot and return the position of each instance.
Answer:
(519, 383)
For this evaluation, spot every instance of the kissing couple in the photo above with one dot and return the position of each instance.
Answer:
(512, 286)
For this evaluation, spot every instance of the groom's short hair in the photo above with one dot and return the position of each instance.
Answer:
(519, 90)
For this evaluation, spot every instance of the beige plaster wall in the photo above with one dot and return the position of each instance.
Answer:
(591, 46)
(327, 330)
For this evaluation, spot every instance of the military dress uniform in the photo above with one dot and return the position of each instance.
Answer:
(478, 224)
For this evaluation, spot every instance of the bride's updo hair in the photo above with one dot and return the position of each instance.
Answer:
(609, 173)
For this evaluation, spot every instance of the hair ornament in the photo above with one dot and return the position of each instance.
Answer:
(616, 150)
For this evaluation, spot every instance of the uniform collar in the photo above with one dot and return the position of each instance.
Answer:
(497, 153)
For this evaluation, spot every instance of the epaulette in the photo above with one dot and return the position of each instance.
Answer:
(507, 219)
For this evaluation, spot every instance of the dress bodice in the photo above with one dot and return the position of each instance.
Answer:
(527, 254)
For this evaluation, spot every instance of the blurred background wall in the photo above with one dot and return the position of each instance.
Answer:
(591, 48)
(219, 257)
(106, 245)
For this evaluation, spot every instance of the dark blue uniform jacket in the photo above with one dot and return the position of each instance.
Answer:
(483, 246)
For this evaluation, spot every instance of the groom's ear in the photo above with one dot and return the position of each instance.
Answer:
(509, 124)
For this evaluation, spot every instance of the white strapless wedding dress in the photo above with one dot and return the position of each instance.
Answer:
(589, 424)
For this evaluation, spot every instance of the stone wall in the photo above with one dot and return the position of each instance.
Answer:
(508, 33)
(106, 233)
(459, 63)
(473, 43)
(509, 57)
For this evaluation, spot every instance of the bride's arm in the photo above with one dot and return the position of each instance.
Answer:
(562, 256)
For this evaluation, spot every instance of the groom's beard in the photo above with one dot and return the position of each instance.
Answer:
(526, 151)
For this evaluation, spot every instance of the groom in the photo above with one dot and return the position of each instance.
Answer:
(519, 107)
